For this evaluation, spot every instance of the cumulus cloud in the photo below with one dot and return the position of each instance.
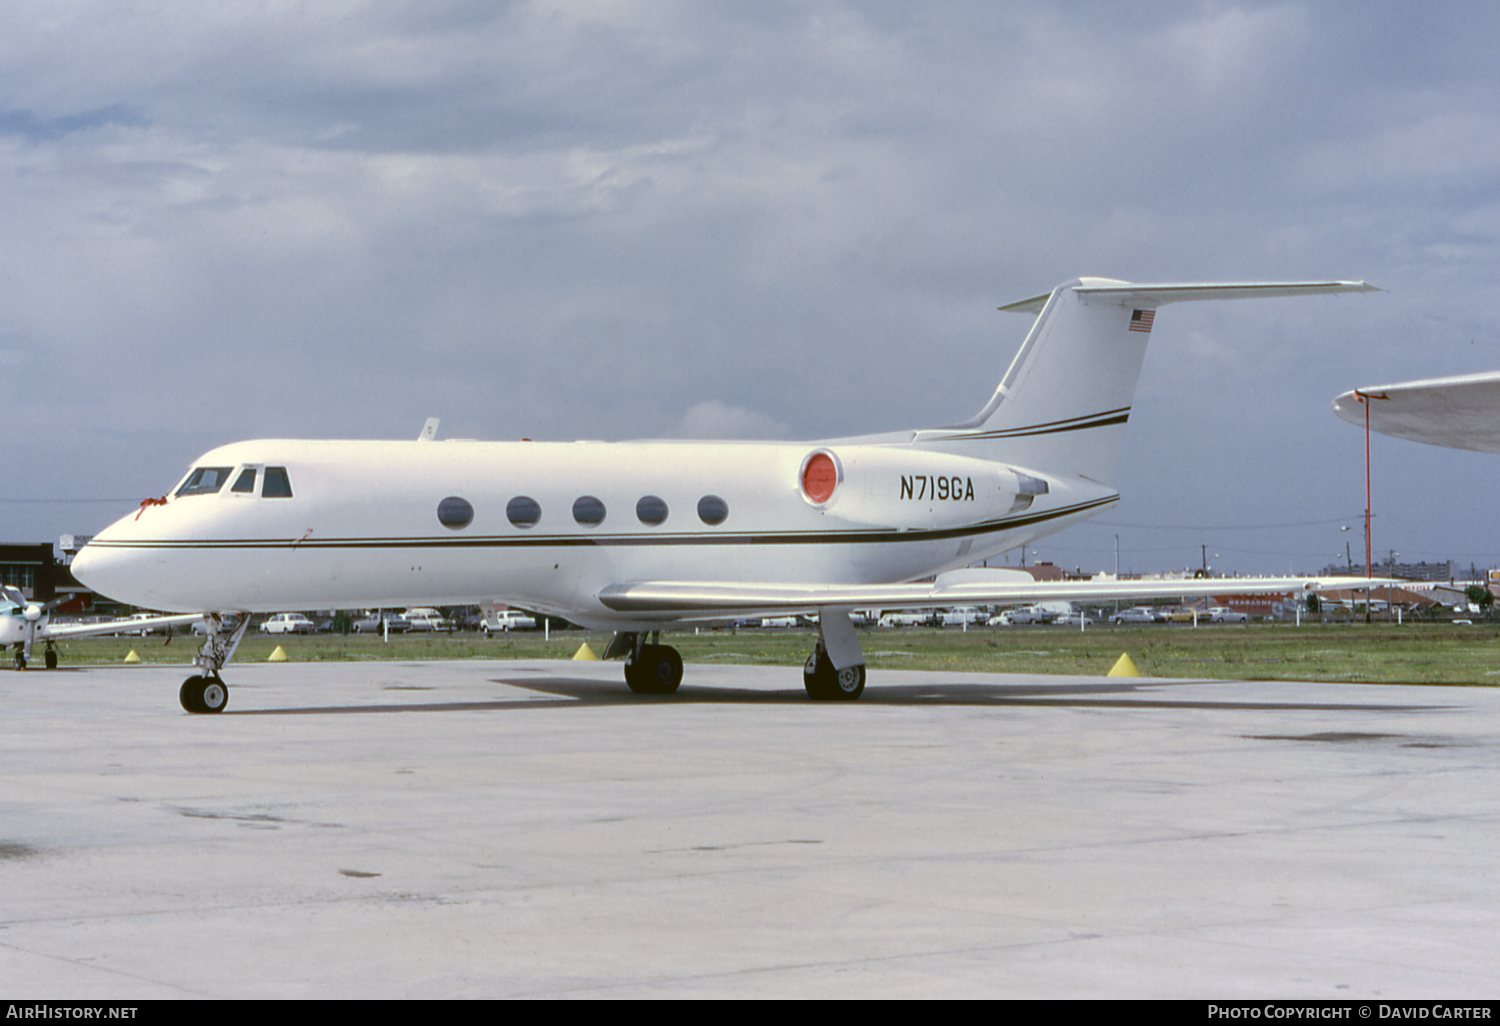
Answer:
(576, 220)
(718, 420)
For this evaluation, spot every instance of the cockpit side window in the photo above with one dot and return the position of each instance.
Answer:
(278, 485)
(245, 482)
(204, 481)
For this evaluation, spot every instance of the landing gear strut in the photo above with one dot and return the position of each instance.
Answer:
(207, 692)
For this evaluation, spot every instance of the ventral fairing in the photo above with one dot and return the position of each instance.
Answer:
(641, 537)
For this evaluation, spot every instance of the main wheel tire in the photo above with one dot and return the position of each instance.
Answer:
(825, 684)
(658, 671)
(49, 659)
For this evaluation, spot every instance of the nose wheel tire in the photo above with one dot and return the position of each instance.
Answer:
(825, 684)
(203, 695)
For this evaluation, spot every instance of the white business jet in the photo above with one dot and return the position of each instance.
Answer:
(636, 537)
(23, 623)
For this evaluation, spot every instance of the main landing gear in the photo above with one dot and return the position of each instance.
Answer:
(650, 669)
(22, 657)
(826, 684)
(835, 672)
(206, 692)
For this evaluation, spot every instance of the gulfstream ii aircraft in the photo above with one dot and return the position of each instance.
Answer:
(636, 537)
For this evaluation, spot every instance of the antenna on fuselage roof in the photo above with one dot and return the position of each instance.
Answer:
(429, 430)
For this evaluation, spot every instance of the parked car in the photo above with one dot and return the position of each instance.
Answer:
(1222, 614)
(288, 623)
(374, 624)
(1137, 614)
(423, 619)
(125, 627)
(1020, 617)
(510, 620)
(904, 619)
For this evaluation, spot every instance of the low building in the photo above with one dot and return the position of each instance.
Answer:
(32, 568)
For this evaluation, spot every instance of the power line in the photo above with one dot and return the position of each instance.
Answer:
(1226, 527)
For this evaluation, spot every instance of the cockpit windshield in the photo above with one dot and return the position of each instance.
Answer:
(11, 598)
(204, 481)
(275, 484)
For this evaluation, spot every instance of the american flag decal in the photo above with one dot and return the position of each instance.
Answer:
(1141, 320)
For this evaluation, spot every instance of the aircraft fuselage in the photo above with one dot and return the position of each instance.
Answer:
(548, 525)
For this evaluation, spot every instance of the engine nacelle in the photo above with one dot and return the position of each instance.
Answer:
(911, 488)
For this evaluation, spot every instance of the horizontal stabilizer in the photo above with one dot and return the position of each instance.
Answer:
(670, 600)
(1150, 295)
(1065, 399)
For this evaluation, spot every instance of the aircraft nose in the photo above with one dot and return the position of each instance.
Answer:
(91, 569)
(111, 572)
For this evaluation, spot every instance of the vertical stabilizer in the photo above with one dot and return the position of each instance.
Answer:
(1063, 404)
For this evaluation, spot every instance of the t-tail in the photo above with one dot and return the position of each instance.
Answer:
(1064, 402)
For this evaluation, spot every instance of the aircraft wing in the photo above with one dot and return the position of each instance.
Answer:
(83, 630)
(1460, 412)
(677, 600)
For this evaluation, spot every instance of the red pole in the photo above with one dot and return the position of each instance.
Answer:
(1369, 563)
(1369, 566)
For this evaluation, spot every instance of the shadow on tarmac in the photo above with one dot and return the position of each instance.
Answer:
(1142, 694)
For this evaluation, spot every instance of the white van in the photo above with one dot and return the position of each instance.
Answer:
(509, 620)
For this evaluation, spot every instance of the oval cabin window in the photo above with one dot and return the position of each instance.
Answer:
(713, 510)
(651, 510)
(588, 511)
(455, 512)
(523, 511)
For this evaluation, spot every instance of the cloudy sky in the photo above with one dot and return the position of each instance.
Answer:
(773, 219)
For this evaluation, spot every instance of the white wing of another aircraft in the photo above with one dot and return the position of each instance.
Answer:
(635, 537)
(24, 623)
(1460, 412)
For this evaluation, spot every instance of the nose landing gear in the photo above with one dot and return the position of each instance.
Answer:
(207, 692)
